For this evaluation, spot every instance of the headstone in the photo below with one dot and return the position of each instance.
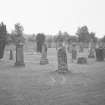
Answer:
(91, 50)
(19, 55)
(99, 54)
(11, 55)
(74, 52)
(62, 60)
(81, 47)
(82, 60)
(44, 59)
(2, 47)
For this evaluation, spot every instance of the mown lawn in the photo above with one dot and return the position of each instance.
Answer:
(40, 85)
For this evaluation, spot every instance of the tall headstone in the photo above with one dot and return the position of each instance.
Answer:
(81, 47)
(19, 52)
(62, 60)
(2, 47)
(44, 59)
(11, 55)
(91, 49)
(74, 52)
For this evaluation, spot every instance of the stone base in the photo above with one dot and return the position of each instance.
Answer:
(17, 64)
(43, 61)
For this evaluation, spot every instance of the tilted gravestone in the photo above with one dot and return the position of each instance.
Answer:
(44, 59)
(62, 60)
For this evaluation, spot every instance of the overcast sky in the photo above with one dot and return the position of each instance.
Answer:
(50, 16)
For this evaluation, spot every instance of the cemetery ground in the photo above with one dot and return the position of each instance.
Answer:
(37, 84)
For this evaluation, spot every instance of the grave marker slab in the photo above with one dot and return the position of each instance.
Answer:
(44, 59)
(62, 60)
(19, 55)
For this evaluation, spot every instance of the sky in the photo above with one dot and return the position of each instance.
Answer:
(50, 16)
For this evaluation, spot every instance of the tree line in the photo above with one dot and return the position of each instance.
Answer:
(82, 35)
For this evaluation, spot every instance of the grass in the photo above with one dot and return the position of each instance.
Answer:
(36, 84)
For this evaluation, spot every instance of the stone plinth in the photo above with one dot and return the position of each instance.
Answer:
(19, 55)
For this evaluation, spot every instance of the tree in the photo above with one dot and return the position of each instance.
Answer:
(3, 38)
(83, 34)
(72, 39)
(40, 39)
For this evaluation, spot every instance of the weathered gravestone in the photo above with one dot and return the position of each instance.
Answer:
(62, 60)
(44, 59)
(91, 50)
(99, 54)
(74, 52)
(19, 55)
(2, 47)
(81, 47)
(19, 51)
(11, 55)
(82, 60)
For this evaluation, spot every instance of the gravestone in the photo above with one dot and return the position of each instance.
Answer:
(19, 55)
(44, 59)
(62, 60)
(81, 49)
(74, 52)
(11, 55)
(2, 47)
(99, 54)
(91, 50)
(82, 60)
